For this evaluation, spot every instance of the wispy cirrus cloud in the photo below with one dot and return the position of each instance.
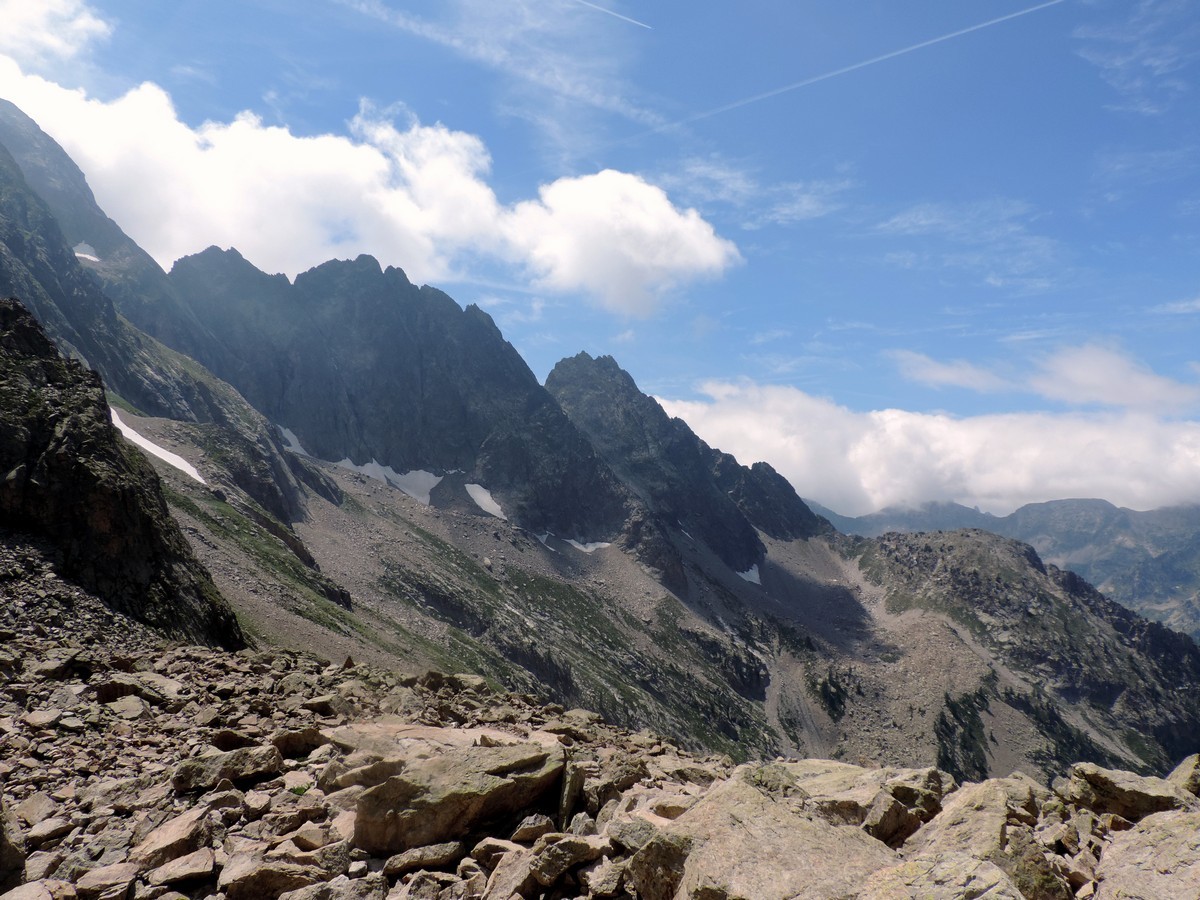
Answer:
(992, 240)
(1094, 375)
(753, 202)
(554, 49)
(1147, 55)
(1087, 375)
(958, 373)
(1178, 308)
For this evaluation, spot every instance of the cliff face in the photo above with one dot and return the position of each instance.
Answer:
(362, 364)
(70, 480)
(687, 483)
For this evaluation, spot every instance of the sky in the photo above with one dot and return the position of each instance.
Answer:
(937, 250)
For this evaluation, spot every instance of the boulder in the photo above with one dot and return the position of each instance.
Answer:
(993, 821)
(1122, 793)
(889, 804)
(1157, 858)
(177, 837)
(753, 837)
(1186, 775)
(107, 882)
(244, 766)
(940, 876)
(445, 796)
(249, 876)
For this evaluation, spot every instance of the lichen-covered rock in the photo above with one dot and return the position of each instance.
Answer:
(940, 876)
(1186, 775)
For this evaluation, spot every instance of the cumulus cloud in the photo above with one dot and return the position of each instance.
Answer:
(613, 235)
(858, 462)
(39, 31)
(416, 196)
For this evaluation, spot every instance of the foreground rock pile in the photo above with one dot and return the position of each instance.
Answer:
(136, 770)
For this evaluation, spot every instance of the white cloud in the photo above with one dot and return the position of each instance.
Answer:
(1103, 376)
(417, 197)
(858, 462)
(959, 373)
(39, 31)
(617, 237)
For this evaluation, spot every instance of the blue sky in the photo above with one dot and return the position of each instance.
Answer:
(933, 250)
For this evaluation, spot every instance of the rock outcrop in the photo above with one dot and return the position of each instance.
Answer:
(70, 479)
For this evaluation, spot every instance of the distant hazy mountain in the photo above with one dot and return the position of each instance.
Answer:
(1147, 561)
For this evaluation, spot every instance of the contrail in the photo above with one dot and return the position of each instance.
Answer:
(738, 104)
(617, 15)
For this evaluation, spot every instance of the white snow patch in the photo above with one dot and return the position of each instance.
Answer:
(484, 500)
(87, 256)
(292, 442)
(418, 483)
(751, 575)
(589, 548)
(173, 459)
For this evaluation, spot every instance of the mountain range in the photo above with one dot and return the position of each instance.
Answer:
(363, 467)
(1148, 561)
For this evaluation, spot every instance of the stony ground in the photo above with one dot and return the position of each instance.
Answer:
(136, 769)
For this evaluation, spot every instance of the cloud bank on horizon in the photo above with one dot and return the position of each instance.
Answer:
(425, 196)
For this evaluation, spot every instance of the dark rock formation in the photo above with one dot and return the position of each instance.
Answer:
(684, 481)
(69, 478)
(361, 363)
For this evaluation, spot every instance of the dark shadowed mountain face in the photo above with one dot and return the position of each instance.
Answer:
(700, 490)
(360, 363)
(128, 274)
(70, 480)
(1147, 561)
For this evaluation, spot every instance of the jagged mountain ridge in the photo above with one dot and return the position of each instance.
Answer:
(698, 489)
(360, 363)
(815, 659)
(1149, 561)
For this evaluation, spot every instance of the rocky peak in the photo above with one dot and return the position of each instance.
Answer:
(681, 478)
(71, 481)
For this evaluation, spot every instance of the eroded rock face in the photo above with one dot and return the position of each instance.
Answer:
(69, 478)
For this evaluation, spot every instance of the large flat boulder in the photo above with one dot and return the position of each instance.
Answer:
(757, 836)
(447, 786)
(1157, 858)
